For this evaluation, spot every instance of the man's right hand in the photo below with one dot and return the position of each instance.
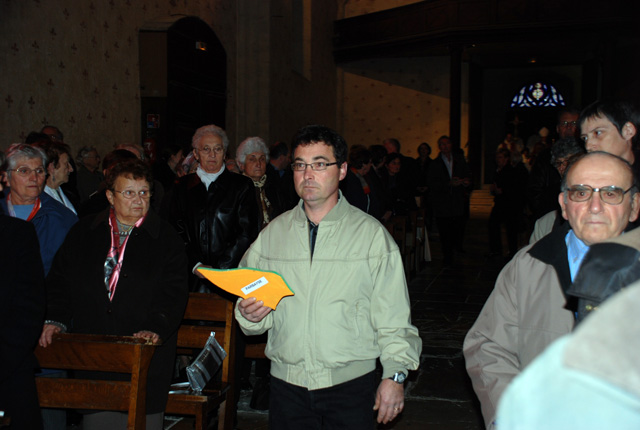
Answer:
(47, 334)
(253, 310)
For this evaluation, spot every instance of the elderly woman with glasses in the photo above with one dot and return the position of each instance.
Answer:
(122, 272)
(25, 199)
(252, 157)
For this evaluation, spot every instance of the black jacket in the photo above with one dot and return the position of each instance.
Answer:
(218, 224)
(22, 301)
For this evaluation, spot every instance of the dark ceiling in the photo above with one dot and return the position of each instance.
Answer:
(492, 33)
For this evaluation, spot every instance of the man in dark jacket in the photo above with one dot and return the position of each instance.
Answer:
(449, 178)
(214, 210)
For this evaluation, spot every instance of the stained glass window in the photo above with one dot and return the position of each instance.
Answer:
(537, 95)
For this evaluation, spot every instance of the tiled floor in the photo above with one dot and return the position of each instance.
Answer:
(445, 302)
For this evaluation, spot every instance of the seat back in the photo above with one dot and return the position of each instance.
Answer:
(122, 354)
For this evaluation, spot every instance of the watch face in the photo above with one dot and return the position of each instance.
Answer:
(399, 377)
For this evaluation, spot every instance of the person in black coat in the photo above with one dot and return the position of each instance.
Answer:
(22, 301)
(122, 272)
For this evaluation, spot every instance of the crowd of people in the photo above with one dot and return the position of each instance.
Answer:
(526, 367)
(120, 240)
(315, 215)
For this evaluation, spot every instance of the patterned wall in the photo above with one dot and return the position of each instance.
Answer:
(74, 64)
(405, 98)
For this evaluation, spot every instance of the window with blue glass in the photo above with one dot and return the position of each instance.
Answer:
(537, 95)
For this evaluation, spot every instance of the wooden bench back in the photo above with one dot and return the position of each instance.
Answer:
(205, 313)
(122, 354)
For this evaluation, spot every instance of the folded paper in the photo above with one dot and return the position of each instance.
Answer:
(270, 287)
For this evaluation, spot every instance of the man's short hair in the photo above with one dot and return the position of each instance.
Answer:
(618, 113)
(565, 148)
(210, 130)
(57, 135)
(378, 154)
(567, 109)
(444, 136)
(319, 133)
(395, 142)
(277, 150)
(575, 160)
(83, 152)
(35, 137)
(359, 156)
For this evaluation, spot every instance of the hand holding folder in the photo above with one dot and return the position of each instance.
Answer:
(270, 287)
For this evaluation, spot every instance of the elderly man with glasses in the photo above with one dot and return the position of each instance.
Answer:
(528, 309)
(214, 210)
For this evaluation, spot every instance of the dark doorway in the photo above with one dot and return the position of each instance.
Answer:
(183, 78)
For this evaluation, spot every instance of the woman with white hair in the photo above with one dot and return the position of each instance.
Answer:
(252, 157)
(25, 199)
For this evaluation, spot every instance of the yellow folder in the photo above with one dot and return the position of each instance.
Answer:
(270, 287)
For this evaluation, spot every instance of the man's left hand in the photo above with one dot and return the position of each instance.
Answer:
(389, 400)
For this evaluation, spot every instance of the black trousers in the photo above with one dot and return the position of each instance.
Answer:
(19, 400)
(345, 406)
(450, 230)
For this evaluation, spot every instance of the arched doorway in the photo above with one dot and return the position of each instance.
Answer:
(183, 80)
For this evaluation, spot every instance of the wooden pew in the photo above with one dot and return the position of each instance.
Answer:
(122, 354)
(206, 313)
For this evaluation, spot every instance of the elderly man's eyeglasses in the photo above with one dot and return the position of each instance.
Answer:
(316, 166)
(207, 150)
(25, 171)
(611, 195)
(130, 194)
(566, 124)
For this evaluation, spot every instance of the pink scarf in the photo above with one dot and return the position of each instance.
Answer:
(113, 263)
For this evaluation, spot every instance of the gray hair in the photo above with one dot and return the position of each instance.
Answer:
(83, 152)
(249, 146)
(18, 151)
(565, 148)
(210, 130)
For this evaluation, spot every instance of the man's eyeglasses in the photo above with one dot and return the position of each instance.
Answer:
(565, 124)
(25, 171)
(611, 195)
(207, 150)
(130, 194)
(316, 166)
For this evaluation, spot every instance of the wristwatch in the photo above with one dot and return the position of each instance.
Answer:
(399, 377)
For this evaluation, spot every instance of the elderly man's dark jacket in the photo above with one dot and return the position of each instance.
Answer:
(151, 293)
(217, 224)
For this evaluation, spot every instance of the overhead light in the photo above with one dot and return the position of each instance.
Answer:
(201, 46)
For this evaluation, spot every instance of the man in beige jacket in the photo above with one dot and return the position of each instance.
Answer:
(527, 309)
